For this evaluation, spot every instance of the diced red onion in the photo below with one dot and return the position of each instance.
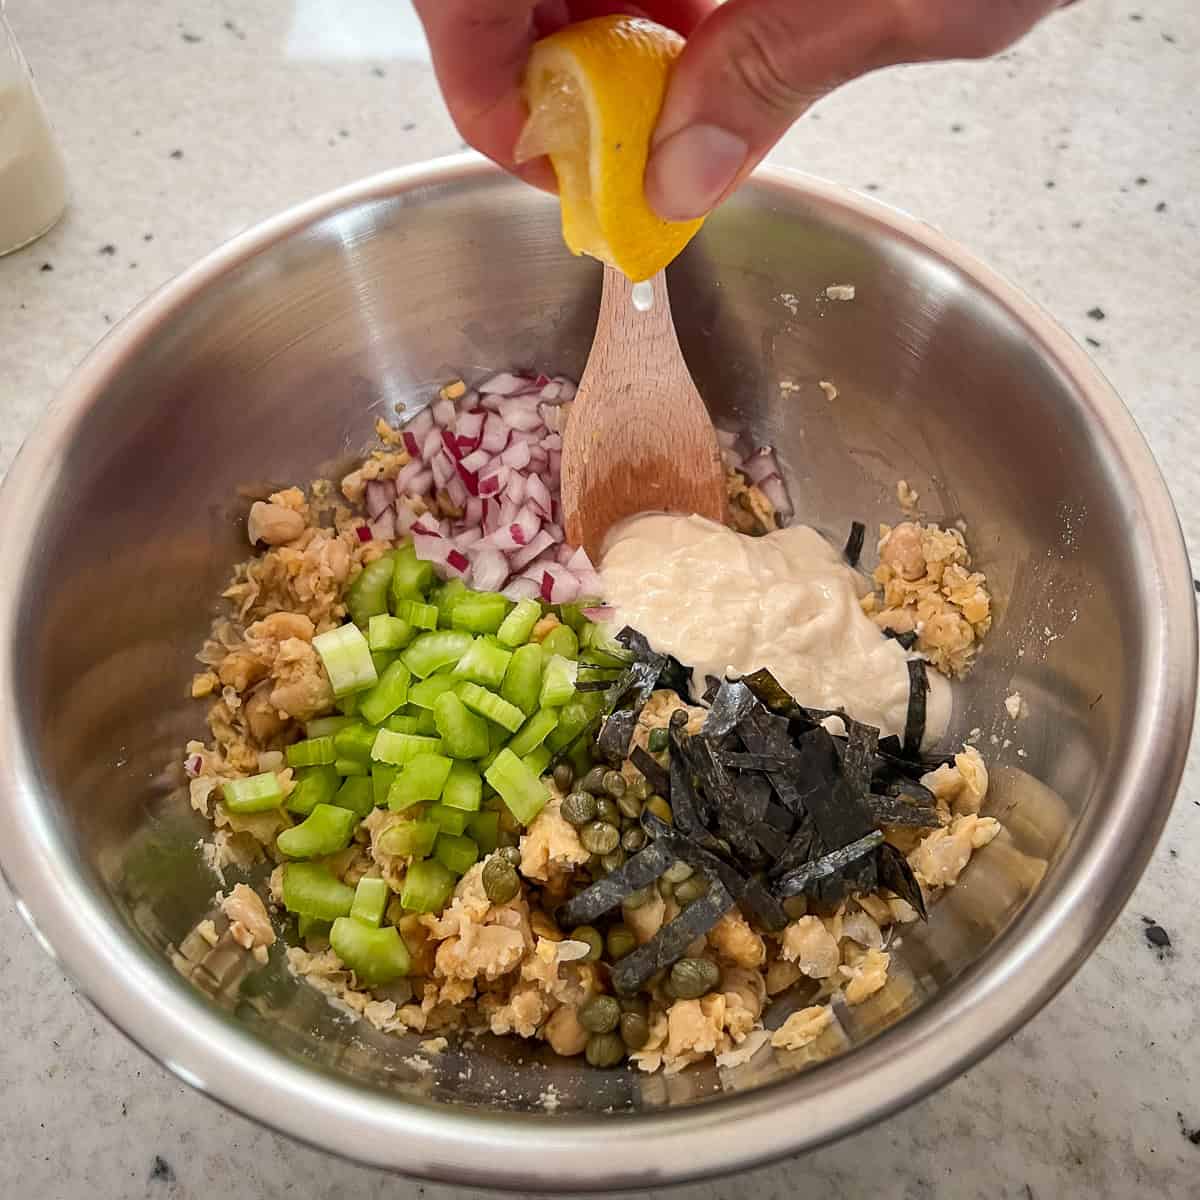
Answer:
(493, 483)
(473, 515)
(443, 412)
(566, 389)
(443, 470)
(422, 483)
(491, 516)
(405, 518)
(495, 434)
(516, 456)
(457, 491)
(468, 402)
(431, 547)
(458, 561)
(503, 384)
(599, 612)
(554, 467)
(549, 394)
(421, 424)
(552, 441)
(508, 511)
(450, 444)
(380, 494)
(409, 472)
(467, 538)
(521, 589)
(538, 494)
(192, 765)
(542, 541)
(590, 585)
(579, 561)
(469, 425)
(515, 489)
(760, 464)
(563, 553)
(776, 492)
(470, 480)
(476, 461)
(518, 416)
(383, 527)
(411, 444)
(364, 533)
(489, 570)
(555, 531)
(431, 446)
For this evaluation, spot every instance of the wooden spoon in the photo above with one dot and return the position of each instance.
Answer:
(639, 438)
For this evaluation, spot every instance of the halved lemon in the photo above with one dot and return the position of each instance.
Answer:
(594, 91)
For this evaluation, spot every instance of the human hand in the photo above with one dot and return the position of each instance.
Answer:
(749, 70)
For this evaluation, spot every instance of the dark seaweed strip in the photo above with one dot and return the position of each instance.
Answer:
(774, 695)
(593, 685)
(858, 760)
(668, 672)
(907, 640)
(890, 764)
(914, 722)
(684, 803)
(656, 774)
(854, 543)
(725, 801)
(615, 887)
(779, 816)
(677, 677)
(670, 943)
(801, 880)
(904, 809)
(711, 686)
(803, 847)
(773, 841)
(615, 735)
(761, 907)
(896, 875)
(729, 707)
(754, 797)
(753, 762)
(861, 875)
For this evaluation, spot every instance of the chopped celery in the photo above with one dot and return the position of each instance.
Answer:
(488, 704)
(515, 629)
(367, 596)
(370, 899)
(401, 723)
(259, 793)
(389, 694)
(376, 956)
(427, 886)
(572, 616)
(448, 820)
(381, 660)
(347, 659)
(411, 577)
(558, 681)
(311, 927)
(421, 779)
(480, 612)
(433, 650)
(463, 733)
(580, 757)
(523, 679)
(573, 718)
(519, 787)
(312, 752)
(356, 795)
(412, 839)
(537, 760)
(426, 724)
(419, 614)
(314, 785)
(355, 741)
(348, 704)
(325, 830)
(483, 663)
(446, 598)
(326, 726)
(312, 890)
(484, 828)
(464, 787)
(348, 767)
(534, 732)
(561, 640)
(386, 632)
(455, 852)
(382, 776)
(399, 748)
(425, 693)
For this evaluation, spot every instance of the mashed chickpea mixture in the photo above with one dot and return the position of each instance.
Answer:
(493, 956)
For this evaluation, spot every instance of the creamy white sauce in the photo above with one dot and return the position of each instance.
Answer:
(726, 603)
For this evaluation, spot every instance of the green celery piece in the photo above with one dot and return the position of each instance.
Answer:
(580, 757)
(480, 612)
(400, 748)
(376, 956)
(523, 679)
(356, 795)
(367, 596)
(561, 640)
(370, 899)
(519, 787)
(259, 793)
(311, 927)
(347, 659)
(312, 890)
(558, 682)
(421, 780)
(488, 704)
(419, 614)
(401, 723)
(411, 578)
(515, 629)
(426, 723)
(389, 694)
(411, 839)
(385, 632)
(464, 787)
(538, 760)
(484, 828)
(382, 777)
(427, 886)
(326, 830)
(433, 650)
(320, 727)
(314, 785)
(571, 615)
(425, 693)
(312, 752)
(449, 820)
(463, 733)
(381, 659)
(574, 717)
(446, 598)
(348, 704)
(355, 741)
(455, 852)
(534, 732)
(484, 664)
(351, 767)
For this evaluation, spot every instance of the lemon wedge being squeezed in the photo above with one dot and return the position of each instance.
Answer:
(594, 91)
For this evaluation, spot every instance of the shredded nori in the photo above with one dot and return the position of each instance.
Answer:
(896, 875)
(729, 707)
(904, 808)
(914, 722)
(907, 640)
(615, 887)
(616, 733)
(656, 775)
(854, 543)
(799, 881)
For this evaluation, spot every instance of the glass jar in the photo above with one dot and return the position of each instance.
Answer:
(33, 184)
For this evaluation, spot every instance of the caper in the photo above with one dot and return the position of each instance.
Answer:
(600, 1014)
(659, 741)
(630, 805)
(620, 942)
(634, 1004)
(666, 889)
(635, 1030)
(600, 837)
(500, 880)
(691, 978)
(614, 784)
(593, 781)
(638, 898)
(604, 1050)
(632, 840)
(690, 890)
(678, 871)
(594, 939)
(510, 854)
(660, 808)
(579, 808)
(607, 810)
(564, 776)
(615, 860)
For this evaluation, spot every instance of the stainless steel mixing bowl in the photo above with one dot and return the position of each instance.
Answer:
(270, 358)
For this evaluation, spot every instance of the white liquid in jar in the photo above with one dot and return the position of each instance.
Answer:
(33, 185)
(643, 296)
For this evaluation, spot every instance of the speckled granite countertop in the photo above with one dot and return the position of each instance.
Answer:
(1071, 164)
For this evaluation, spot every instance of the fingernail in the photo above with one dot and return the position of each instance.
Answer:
(690, 171)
